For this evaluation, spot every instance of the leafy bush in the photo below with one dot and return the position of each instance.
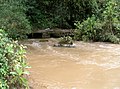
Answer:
(111, 17)
(88, 30)
(65, 40)
(13, 18)
(110, 21)
(105, 28)
(12, 63)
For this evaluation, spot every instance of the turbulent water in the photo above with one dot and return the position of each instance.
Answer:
(87, 66)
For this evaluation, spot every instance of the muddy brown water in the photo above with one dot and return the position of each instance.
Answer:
(87, 66)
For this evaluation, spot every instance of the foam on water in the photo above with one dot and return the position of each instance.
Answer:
(107, 63)
(87, 66)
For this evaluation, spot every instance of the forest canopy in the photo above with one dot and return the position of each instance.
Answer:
(19, 18)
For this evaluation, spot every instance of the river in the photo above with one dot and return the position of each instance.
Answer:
(87, 66)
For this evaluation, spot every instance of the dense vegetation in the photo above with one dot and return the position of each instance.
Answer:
(59, 13)
(96, 20)
(12, 63)
(105, 27)
(13, 18)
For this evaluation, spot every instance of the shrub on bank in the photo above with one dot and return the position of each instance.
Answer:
(106, 28)
(65, 40)
(12, 63)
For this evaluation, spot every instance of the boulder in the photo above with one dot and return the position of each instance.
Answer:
(64, 45)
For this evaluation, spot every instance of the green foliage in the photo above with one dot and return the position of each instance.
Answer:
(12, 63)
(66, 40)
(39, 13)
(110, 21)
(110, 38)
(59, 13)
(13, 18)
(103, 28)
(88, 30)
(110, 16)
